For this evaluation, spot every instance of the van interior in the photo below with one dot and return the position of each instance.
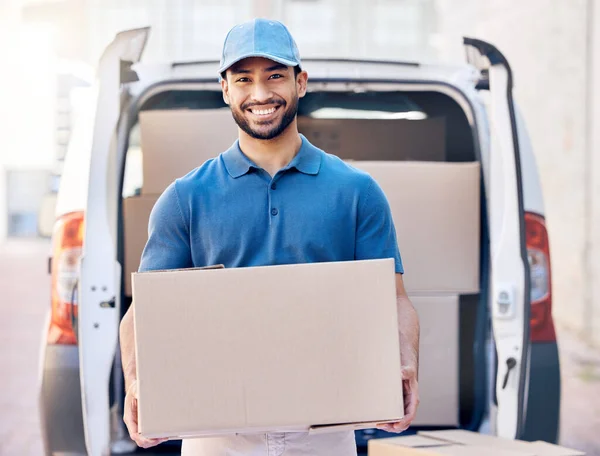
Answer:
(421, 149)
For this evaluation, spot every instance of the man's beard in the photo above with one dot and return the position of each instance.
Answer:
(289, 114)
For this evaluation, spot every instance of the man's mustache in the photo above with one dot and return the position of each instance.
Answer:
(273, 102)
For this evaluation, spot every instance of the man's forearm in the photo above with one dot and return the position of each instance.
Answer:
(128, 348)
(408, 326)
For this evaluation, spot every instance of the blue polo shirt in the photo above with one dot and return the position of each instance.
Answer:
(230, 211)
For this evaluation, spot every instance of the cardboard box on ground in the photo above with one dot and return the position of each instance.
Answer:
(307, 347)
(463, 443)
(435, 206)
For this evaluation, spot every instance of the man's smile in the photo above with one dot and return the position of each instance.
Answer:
(263, 112)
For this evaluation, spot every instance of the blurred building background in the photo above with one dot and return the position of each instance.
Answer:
(553, 47)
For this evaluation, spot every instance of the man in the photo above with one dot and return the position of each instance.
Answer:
(272, 198)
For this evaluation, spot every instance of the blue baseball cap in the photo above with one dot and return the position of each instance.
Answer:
(259, 38)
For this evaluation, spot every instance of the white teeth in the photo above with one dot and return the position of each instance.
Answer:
(263, 112)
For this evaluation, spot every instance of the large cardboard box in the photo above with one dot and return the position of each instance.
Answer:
(277, 348)
(436, 210)
(380, 139)
(438, 360)
(136, 213)
(174, 142)
(463, 443)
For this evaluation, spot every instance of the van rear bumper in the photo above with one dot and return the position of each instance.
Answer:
(543, 403)
(60, 401)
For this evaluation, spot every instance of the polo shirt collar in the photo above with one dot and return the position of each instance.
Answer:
(236, 162)
(307, 160)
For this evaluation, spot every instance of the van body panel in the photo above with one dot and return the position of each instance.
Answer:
(510, 275)
(100, 272)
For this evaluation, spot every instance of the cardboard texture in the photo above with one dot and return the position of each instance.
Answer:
(468, 438)
(174, 142)
(462, 443)
(474, 438)
(439, 360)
(436, 210)
(269, 348)
(136, 212)
(399, 139)
(548, 449)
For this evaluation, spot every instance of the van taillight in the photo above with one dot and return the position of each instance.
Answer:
(538, 253)
(67, 242)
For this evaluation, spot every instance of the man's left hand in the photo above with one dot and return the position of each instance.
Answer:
(410, 388)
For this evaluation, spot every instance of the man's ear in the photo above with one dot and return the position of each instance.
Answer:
(225, 89)
(301, 83)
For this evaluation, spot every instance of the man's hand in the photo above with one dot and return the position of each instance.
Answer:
(130, 417)
(410, 388)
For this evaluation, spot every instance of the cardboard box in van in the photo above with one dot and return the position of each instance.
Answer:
(436, 210)
(174, 142)
(136, 212)
(306, 347)
(387, 139)
(463, 443)
(438, 360)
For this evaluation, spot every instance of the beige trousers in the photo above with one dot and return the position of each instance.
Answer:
(273, 444)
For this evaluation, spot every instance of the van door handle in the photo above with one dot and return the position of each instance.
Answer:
(510, 365)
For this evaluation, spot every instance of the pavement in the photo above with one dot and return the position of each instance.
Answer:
(25, 286)
(580, 402)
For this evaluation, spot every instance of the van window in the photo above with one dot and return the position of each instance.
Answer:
(73, 188)
(133, 178)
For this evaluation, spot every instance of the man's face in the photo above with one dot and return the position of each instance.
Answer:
(263, 96)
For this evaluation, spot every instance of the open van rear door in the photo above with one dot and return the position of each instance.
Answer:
(510, 288)
(100, 273)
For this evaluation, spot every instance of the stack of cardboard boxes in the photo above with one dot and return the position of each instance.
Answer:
(436, 210)
(435, 206)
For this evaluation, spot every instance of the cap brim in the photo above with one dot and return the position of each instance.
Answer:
(265, 55)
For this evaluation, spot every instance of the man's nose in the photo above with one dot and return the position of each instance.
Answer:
(261, 93)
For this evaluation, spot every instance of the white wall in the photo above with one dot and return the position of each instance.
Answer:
(28, 88)
(593, 164)
(545, 43)
(195, 29)
(9, 17)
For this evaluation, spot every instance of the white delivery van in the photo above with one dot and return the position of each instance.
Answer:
(447, 145)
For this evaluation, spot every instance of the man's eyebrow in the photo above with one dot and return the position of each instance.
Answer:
(276, 67)
(242, 70)
(239, 71)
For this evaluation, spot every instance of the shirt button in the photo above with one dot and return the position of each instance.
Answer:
(273, 186)
(274, 212)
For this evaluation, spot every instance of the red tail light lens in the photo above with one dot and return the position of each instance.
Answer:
(538, 252)
(67, 242)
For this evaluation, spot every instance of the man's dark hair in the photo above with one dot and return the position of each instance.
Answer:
(297, 71)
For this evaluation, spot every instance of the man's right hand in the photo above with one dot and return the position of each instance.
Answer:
(130, 417)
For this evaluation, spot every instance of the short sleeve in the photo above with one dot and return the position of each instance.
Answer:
(375, 230)
(168, 245)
